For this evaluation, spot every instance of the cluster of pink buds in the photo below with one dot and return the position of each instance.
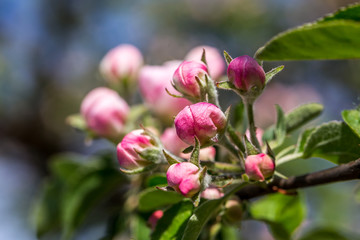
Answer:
(105, 112)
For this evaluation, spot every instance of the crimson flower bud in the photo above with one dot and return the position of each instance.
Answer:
(214, 59)
(184, 78)
(259, 167)
(105, 112)
(153, 80)
(247, 76)
(121, 63)
(133, 150)
(202, 120)
(154, 218)
(184, 178)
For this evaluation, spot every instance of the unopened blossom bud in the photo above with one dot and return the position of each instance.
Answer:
(259, 134)
(173, 143)
(153, 80)
(154, 218)
(212, 193)
(259, 167)
(233, 211)
(129, 149)
(214, 59)
(202, 120)
(184, 178)
(105, 112)
(184, 77)
(247, 76)
(121, 63)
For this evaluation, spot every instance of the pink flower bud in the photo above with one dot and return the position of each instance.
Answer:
(259, 134)
(121, 62)
(127, 150)
(233, 211)
(173, 143)
(105, 112)
(214, 59)
(153, 81)
(203, 120)
(212, 193)
(259, 167)
(185, 75)
(154, 218)
(184, 178)
(245, 73)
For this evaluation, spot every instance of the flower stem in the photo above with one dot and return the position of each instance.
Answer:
(252, 128)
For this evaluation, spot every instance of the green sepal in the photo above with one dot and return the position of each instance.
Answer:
(203, 57)
(270, 74)
(226, 85)
(270, 152)
(173, 95)
(235, 138)
(151, 154)
(194, 158)
(188, 149)
(228, 58)
(250, 148)
(171, 158)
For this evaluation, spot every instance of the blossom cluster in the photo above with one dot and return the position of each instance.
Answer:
(183, 125)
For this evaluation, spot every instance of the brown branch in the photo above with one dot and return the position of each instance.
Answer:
(344, 172)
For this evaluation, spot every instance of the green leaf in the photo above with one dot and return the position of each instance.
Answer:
(152, 199)
(303, 139)
(325, 234)
(157, 179)
(140, 229)
(203, 213)
(46, 211)
(270, 74)
(81, 199)
(352, 119)
(280, 129)
(351, 12)
(333, 141)
(296, 118)
(282, 213)
(336, 39)
(302, 115)
(173, 222)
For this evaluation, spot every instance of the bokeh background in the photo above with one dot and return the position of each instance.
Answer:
(49, 56)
